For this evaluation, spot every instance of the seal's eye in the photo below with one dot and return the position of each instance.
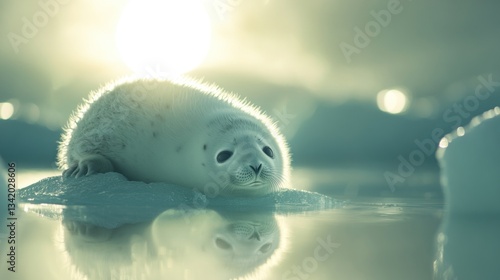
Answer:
(265, 248)
(268, 151)
(223, 244)
(223, 156)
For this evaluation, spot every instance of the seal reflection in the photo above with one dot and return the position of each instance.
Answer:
(195, 244)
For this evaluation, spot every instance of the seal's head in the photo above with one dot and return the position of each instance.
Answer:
(245, 157)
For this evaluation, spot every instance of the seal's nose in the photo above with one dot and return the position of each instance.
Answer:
(255, 235)
(256, 169)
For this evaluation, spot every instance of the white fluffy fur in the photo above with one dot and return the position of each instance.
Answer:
(157, 130)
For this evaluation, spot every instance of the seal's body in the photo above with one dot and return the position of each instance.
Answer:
(180, 132)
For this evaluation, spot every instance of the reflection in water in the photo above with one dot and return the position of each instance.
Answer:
(468, 247)
(196, 244)
(118, 229)
(117, 240)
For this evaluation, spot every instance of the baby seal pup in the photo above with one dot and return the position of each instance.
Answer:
(176, 131)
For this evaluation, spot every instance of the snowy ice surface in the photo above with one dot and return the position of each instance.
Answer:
(470, 165)
(110, 200)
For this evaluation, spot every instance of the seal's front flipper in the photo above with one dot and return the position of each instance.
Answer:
(89, 165)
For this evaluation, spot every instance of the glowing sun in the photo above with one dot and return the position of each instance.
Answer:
(166, 36)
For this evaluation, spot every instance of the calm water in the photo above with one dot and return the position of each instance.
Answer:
(370, 237)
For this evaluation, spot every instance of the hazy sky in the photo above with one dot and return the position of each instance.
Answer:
(267, 50)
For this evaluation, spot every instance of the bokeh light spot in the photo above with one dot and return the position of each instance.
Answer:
(443, 143)
(392, 101)
(6, 110)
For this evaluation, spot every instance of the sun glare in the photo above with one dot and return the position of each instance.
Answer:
(392, 101)
(163, 36)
